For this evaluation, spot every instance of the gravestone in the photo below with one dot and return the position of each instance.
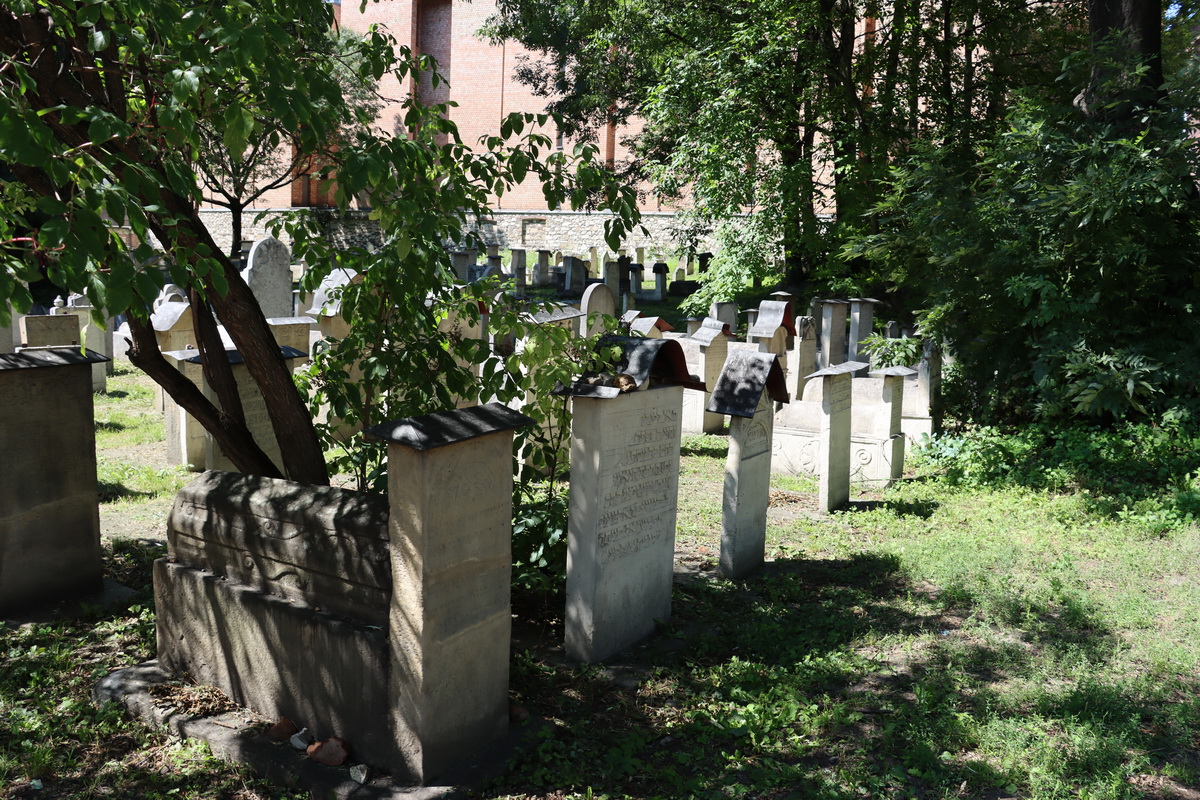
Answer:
(680, 275)
(49, 505)
(802, 361)
(450, 623)
(48, 330)
(862, 320)
(173, 326)
(624, 487)
(877, 440)
(922, 395)
(95, 337)
(727, 312)
(749, 385)
(597, 305)
(705, 350)
(542, 276)
(772, 328)
(833, 332)
(612, 277)
(834, 465)
(293, 332)
(650, 327)
(268, 273)
(518, 272)
(327, 303)
(575, 273)
(461, 261)
(704, 259)
(170, 293)
(660, 282)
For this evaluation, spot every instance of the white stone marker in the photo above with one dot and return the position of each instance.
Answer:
(749, 386)
(705, 350)
(624, 492)
(772, 328)
(877, 440)
(833, 332)
(268, 273)
(173, 325)
(922, 396)
(598, 305)
(327, 303)
(450, 624)
(834, 466)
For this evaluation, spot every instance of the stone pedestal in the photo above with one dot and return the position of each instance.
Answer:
(293, 332)
(49, 507)
(449, 626)
(624, 486)
(660, 282)
(834, 467)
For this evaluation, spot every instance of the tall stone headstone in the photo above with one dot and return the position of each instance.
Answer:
(268, 273)
(747, 389)
(49, 505)
(575, 275)
(772, 328)
(173, 326)
(833, 332)
(705, 349)
(922, 395)
(624, 492)
(802, 361)
(598, 305)
(862, 321)
(834, 467)
(660, 282)
(727, 312)
(612, 277)
(96, 337)
(542, 276)
(461, 261)
(450, 622)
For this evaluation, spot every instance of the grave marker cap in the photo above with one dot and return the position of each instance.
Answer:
(742, 381)
(448, 427)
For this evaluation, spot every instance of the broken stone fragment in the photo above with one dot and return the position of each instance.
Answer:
(282, 730)
(332, 752)
(302, 739)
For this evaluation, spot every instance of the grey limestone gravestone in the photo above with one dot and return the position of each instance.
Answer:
(268, 273)
(49, 506)
(385, 621)
(598, 306)
(749, 385)
(705, 349)
(833, 332)
(624, 486)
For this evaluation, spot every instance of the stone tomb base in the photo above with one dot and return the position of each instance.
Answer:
(798, 452)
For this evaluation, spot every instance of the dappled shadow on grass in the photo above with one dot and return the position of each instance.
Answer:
(111, 491)
(107, 426)
(704, 445)
(839, 678)
(923, 509)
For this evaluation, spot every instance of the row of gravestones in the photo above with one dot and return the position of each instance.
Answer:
(404, 601)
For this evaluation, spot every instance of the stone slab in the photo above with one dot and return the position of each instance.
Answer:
(746, 492)
(449, 427)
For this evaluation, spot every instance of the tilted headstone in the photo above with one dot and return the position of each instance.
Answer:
(705, 350)
(748, 387)
(624, 493)
(49, 504)
(833, 332)
(862, 320)
(450, 625)
(268, 273)
(598, 304)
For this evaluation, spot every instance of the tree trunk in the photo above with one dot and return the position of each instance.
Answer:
(1127, 75)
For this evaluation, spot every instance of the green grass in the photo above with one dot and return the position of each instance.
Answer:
(1019, 619)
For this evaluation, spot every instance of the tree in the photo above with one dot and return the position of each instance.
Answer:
(791, 110)
(101, 107)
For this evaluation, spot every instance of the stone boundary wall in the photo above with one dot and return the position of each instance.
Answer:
(571, 232)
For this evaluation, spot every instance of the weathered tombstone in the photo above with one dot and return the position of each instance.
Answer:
(833, 332)
(575, 275)
(892, 330)
(542, 276)
(597, 305)
(639, 255)
(170, 293)
(650, 327)
(624, 492)
(49, 506)
(772, 328)
(462, 261)
(704, 259)
(450, 624)
(802, 361)
(61, 330)
(727, 312)
(268, 273)
(612, 277)
(680, 274)
(862, 319)
(693, 324)
(293, 332)
(628, 302)
(877, 439)
(922, 395)
(705, 351)
(637, 274)
(748, 387)
(95, 337)
(624, 276)
(834, 467)
(660, 282)
(173, 326)
(518, 272)
(495, 264)
(327, 303)
(594, 260)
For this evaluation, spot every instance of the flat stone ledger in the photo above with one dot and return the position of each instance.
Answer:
(624, 494)
(450, 621)
(49, 505)
(747, 491)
